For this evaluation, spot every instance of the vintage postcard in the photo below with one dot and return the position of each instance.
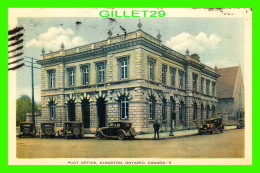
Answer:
(130, 86)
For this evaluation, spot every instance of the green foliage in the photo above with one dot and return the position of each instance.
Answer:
(23, 106)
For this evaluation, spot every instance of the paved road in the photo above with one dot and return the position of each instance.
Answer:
(230, 144)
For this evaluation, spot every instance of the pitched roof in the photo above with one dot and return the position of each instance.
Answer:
(226, 82)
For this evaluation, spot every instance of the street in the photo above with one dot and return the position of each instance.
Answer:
(229, 144)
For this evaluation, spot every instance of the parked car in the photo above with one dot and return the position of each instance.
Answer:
(26, 129)
(120, 130)
(240, 124)
(71, 129)
(47, 129)
(212, 125)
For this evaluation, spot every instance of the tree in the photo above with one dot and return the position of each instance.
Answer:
(23, 106)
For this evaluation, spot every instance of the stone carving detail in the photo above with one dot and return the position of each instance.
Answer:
(196, 100)
(71, 97)
(152, 93)
(123, 92)
(100, 95)
(85, 96)
(51, 98)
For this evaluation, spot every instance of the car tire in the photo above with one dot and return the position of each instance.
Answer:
(99, 136)
(131, 137)
(222, 130)
(121, 135)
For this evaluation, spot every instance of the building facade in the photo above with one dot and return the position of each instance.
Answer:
(131, 77)
(230, 94)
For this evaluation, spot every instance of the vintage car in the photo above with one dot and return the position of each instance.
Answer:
(240, 124)
(120, 130)
(212, 125)
(26, 129)
(71, 129)
(47, 129)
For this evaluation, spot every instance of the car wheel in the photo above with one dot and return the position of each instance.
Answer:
(131, 137)
(222, 129)
(99, 135)
(121, 136)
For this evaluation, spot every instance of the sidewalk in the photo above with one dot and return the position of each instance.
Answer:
(165, 135)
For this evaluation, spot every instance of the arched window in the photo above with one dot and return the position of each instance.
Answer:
(85, 108)
(173, 105)
(71, 110)
(195, 110)
(201, 112)
(151, 105)
(124, 107)
(213, 111)
(52, 110)
(181, 111)
(207, 113)
(164, 109)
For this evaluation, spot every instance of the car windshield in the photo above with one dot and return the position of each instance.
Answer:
(210, 121)
(127, 124)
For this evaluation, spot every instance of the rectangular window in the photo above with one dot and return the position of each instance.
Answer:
(213, 88)
(195, 108)
(201, 112)
(71, 74)
(52, 112)
(173, 74)
(51, 78)
(123, 68)
(181, 79)
(151, 69)
(101, 72)
(151, 108)
(202, 85)
(207, 86)
(164, 69)
(194, 82)
(164, 109)
(124, 108)
(85, 74)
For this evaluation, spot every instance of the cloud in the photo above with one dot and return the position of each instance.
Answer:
(52, 39)
(221, 63)
(195, 43)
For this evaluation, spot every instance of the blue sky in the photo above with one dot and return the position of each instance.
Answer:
(218, 41)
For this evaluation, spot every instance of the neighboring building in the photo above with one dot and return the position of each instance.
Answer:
(230, 91)
(131, 77)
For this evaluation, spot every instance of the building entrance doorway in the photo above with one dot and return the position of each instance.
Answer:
(85, 107)
(101, 111)
(71, 110)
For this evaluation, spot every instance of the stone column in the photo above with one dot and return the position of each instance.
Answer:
(198, 114)
(60, 111)
(60, 76)
(78, 111)
(93, 116)
(177, 110)
(110, 68)
(139, 64)
(188, 113)
(168, 116)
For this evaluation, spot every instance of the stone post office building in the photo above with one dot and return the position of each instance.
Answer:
(132, 78)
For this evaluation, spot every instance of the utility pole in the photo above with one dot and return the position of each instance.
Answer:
(33, 117)
(32, 80)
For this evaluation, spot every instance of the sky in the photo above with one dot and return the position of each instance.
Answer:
(218, 41)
